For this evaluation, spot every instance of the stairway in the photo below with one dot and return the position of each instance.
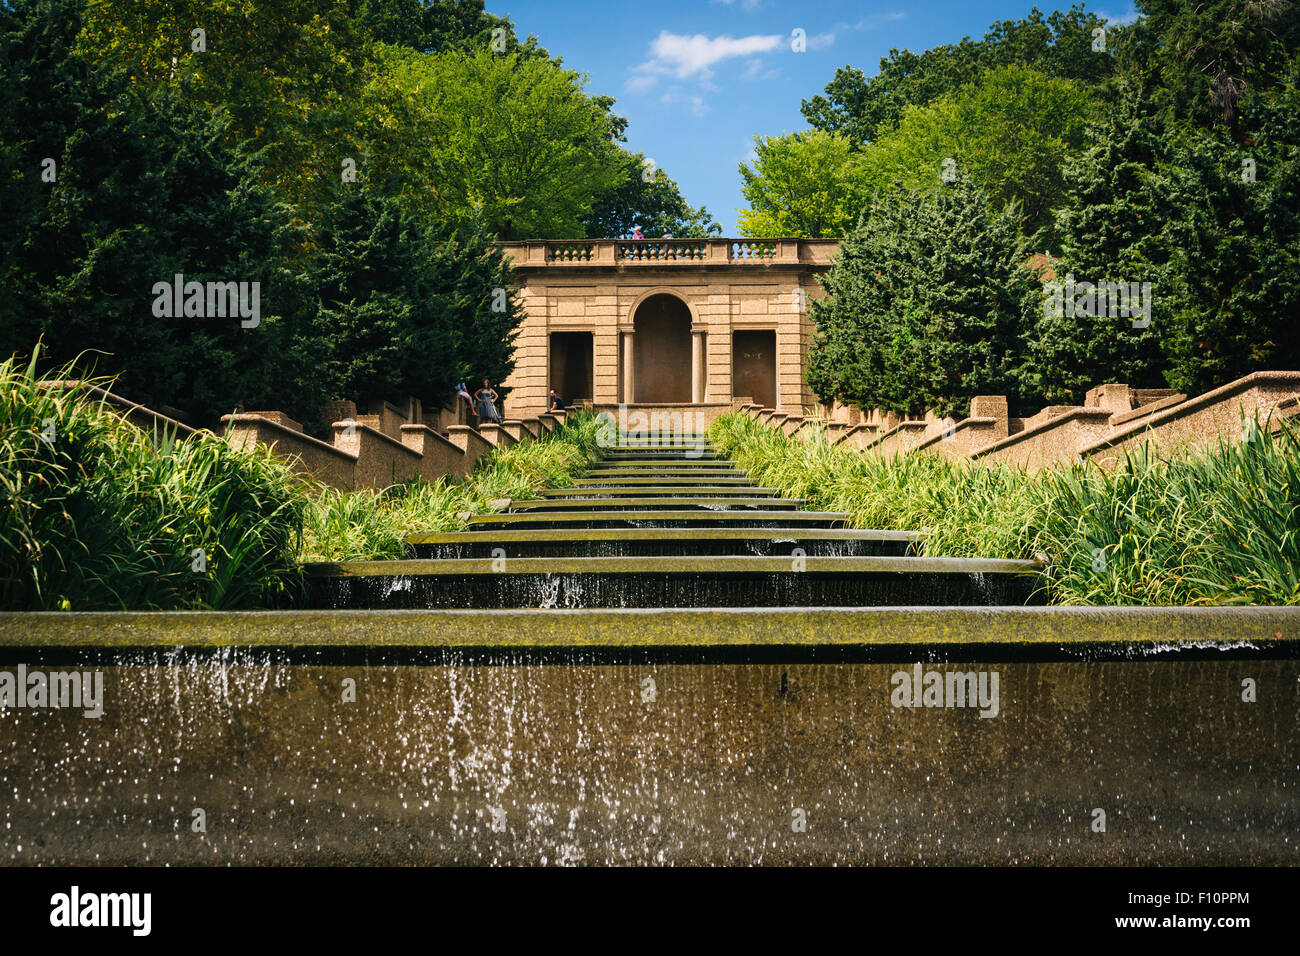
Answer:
(665, 526)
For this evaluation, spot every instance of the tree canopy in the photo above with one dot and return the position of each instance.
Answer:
(1163, 155)
(356, 161)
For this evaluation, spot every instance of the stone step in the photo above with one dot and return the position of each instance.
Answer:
(673, 472)
(679, 481)
(708, 468)
(712, 581)
(701, 463)
(662, 542)
(693, 448)
(661, 519)
(656, 455)
(627, 502)
(682, 491)
(642, 725)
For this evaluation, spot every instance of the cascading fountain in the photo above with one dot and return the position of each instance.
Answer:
(660, 664)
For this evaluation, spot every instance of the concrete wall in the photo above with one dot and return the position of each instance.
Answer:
(373, 451)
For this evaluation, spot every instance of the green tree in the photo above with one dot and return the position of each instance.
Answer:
(1013, 130)
(654, 202)
(1209, 55)
(510, 139)
(1059, 45)
(927, 304)
(431, 26)
(286, 73)
(144, 190)
(1212, 225)
(403, 311)
(1108, 232)
(808, 184)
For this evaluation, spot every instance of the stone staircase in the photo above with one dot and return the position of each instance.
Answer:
(654, 526)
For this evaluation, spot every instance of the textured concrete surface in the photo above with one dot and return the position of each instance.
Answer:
(489, 760)
(1128, 632)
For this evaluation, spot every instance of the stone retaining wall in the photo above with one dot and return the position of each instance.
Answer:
(1115, 419)
(658, 737)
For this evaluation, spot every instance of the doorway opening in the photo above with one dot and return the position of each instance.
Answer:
(661, 350)
(571, 365)
(753, 365)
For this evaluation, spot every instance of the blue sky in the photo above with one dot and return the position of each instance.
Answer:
(698, 78)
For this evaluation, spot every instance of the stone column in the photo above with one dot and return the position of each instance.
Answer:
(629, 373)
(697, 366)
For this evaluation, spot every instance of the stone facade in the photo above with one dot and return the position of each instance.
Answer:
(665, 322)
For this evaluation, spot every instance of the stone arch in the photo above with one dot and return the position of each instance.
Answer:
(661, 321)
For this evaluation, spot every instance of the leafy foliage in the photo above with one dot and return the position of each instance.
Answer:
(926, 304)
(1168, 158)
(1197, 526)
(803, 184)
(95, 514)
(1058, 45)
(1013, 130)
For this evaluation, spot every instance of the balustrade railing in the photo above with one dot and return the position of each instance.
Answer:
(711, 251)
(752, 250)
(662, 250)
(570, 251)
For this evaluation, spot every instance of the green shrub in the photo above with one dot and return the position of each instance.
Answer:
(97, 514)
(1209, 525)
(372, 525)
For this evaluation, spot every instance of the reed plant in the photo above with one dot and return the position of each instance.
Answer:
(1210, 524)
(98, 514)
(373, 525)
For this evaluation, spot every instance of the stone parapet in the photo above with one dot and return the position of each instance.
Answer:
(1114, 420)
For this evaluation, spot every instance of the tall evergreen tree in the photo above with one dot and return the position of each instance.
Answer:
(927, 304)
(1108, 233)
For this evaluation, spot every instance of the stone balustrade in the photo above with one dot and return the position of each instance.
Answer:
(669, 251)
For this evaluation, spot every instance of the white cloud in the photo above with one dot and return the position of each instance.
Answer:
(1122, 20)
(682, 57)
(691, 102)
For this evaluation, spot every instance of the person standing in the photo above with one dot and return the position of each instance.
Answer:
(487, 403)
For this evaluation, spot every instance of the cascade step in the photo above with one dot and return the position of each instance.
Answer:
(682, 491)
(671, 582)
(633, 503)
(657, 462)
(697, 474)
(705, 467)
(688, 452)
(637, 456)
(661, 519)
(662, 542)
(661, 480)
